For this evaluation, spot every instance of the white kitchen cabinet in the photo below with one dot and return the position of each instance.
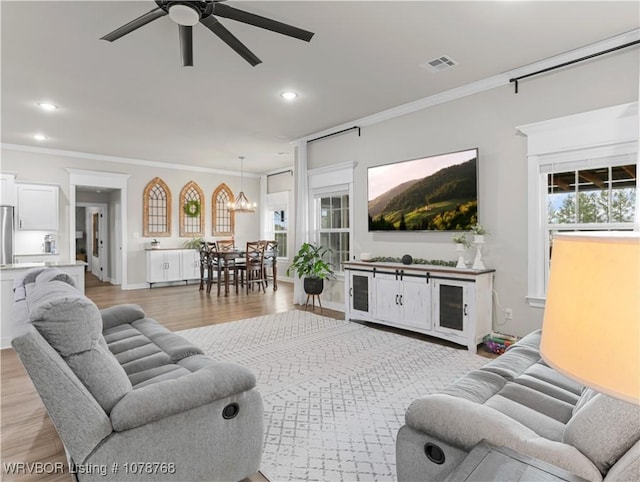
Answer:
(7, 189)
(449, 303)
(404, 299)
(37, 207)
(169, 265)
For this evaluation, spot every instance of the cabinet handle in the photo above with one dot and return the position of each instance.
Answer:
(396, 299)
(465, 310)
(401, 300)
(351, 292)
(20, 223)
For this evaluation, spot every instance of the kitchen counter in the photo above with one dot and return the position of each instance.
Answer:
(10, 272)
(39, 264)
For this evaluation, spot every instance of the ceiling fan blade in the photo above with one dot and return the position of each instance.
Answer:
(227, 37)
(135, 24)
(222, 10)
(186, 45)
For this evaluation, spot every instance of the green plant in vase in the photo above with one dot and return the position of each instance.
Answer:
(309, 264)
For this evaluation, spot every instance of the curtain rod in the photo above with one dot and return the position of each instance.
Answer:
(335, 134)
(570, 62)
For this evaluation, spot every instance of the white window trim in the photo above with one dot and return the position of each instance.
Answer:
(272, 232)
(322, 182)
(318, 230)
(602, 133)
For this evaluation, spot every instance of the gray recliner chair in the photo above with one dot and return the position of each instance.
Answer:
(125, 392)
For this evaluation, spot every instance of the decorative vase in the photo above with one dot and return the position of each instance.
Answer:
(407, 259)
(462, 263)
(478, 240)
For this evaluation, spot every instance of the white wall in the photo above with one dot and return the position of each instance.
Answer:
(487, 121)
(50, 168)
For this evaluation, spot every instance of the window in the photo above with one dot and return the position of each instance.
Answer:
(582, 176)
(156, 202)
(280, 231)
(191, 210)
(597, 195)
(223, 219)
(333, 226)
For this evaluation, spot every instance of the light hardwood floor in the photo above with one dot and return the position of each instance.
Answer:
(27, 434)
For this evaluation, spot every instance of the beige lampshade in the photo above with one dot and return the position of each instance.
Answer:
(591, 329)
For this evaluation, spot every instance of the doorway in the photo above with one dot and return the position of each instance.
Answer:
(93, 237)
(113, 189)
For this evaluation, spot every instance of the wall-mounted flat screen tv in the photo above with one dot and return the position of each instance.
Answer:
(435, 193)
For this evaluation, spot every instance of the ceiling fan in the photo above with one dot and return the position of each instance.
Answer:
(189, 13)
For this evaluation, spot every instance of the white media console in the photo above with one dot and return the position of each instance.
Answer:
(450, 303)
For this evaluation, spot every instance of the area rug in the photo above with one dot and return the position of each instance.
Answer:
(335, 392)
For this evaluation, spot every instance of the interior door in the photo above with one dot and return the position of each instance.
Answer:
(98, 243)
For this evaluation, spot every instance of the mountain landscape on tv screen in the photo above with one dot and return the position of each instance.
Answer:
(444, 201)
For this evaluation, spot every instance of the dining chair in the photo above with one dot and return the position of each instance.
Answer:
(227, 265)
(226, 245)
(204, 264)
(270, 258)
(212, 260)
(253, 267)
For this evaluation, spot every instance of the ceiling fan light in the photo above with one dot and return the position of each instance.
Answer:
(184, 15)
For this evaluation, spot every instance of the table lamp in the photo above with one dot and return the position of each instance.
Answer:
(591, 328)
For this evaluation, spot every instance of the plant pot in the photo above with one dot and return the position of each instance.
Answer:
(313, 286)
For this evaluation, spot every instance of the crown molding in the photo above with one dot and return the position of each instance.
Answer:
(122, 160)
(479, 86)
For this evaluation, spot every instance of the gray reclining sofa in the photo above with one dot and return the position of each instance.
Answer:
(519, 402)
(121, 388)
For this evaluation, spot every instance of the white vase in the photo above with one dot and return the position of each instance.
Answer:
(478, 240)
(462, 263)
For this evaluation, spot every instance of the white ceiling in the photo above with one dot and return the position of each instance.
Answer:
(131, 98)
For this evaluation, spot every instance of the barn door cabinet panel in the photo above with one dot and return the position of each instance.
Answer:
(359, 294)
(450, 303)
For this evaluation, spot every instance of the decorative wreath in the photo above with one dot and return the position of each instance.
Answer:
(192, 209)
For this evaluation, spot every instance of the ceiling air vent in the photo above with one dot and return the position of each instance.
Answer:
(440, 63)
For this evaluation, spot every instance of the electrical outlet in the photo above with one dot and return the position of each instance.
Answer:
(508, 314)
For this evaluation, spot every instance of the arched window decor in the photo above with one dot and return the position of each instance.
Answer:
(191, 210)
(223, 219)
(156, 210)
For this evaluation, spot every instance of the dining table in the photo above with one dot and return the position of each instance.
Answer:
(226, 256)
(224, 259)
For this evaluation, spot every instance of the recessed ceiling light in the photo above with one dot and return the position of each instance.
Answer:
(289, 95)
(48, 106)
(40, 137)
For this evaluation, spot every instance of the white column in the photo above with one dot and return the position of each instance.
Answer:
(301, 195)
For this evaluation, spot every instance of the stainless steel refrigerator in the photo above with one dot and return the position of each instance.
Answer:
(6, 235)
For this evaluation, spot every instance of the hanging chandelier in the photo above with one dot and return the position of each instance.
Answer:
(242, 204)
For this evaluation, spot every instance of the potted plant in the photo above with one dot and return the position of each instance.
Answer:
(461, 243)
(309, 265)
(193, 243)
(461, 239)
(155, 244)
(478, 233)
